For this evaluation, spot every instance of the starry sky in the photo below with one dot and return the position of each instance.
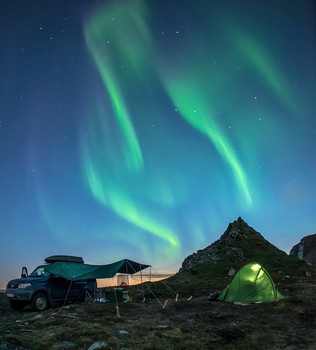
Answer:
(140, 128)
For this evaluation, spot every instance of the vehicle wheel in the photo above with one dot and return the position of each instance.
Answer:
(40, 302)
(16, 305)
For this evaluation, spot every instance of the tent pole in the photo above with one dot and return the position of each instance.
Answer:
(67, 292)
(141, 277)
(117, 307)
(141, 282)
(126, 273)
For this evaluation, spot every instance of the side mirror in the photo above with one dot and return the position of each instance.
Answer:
(24, 273)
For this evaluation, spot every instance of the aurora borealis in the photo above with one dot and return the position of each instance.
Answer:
(139, 129)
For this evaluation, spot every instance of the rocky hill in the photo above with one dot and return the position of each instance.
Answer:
(306, 249)
(239, 243)
(208, 269)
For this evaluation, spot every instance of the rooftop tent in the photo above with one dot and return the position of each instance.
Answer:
(64, 258)
(74, 271)
(250, 285)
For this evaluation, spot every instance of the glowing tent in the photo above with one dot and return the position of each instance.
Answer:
(250, 285)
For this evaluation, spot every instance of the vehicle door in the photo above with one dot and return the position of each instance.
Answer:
(59, 287)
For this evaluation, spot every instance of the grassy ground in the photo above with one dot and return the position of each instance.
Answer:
(195, 324)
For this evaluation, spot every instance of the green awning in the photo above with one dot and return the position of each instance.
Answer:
(74, 271)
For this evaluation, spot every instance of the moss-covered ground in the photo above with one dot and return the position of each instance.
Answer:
(186, 324)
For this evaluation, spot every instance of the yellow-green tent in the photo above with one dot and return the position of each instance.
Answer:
(251, 284)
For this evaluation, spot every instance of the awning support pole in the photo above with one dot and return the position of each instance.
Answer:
(117, 307)
(67, 292)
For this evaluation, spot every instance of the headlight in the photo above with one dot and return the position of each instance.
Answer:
(24, 285)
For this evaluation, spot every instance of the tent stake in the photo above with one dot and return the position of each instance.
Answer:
(165, 304)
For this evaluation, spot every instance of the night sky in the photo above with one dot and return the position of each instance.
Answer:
(140, 129)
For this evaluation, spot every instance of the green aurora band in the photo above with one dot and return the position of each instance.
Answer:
(102, 37)
(112, 196)
(118, 37)
(256, 57)
(192, 106)
(105, 177)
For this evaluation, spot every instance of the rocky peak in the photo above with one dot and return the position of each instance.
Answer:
(238, 230)
(306, 249)
(235, 242)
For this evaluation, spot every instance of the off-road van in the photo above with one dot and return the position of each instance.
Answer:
(40, 289)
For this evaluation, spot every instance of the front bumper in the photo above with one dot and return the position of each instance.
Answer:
(18, 294)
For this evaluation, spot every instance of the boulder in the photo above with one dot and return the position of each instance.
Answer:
(306, 249)
(98, 345)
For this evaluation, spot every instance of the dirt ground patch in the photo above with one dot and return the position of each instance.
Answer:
(196, 324)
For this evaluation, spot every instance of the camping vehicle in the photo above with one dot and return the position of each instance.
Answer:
(41, 288)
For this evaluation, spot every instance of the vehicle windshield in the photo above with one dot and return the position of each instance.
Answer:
(39, 271)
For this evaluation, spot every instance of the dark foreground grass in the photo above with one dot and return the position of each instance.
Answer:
(184, 325)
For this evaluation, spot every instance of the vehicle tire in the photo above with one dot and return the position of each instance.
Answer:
(40, 302)
(16, 305)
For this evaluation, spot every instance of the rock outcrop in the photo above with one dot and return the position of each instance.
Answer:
(306, 249)
(239, 243)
